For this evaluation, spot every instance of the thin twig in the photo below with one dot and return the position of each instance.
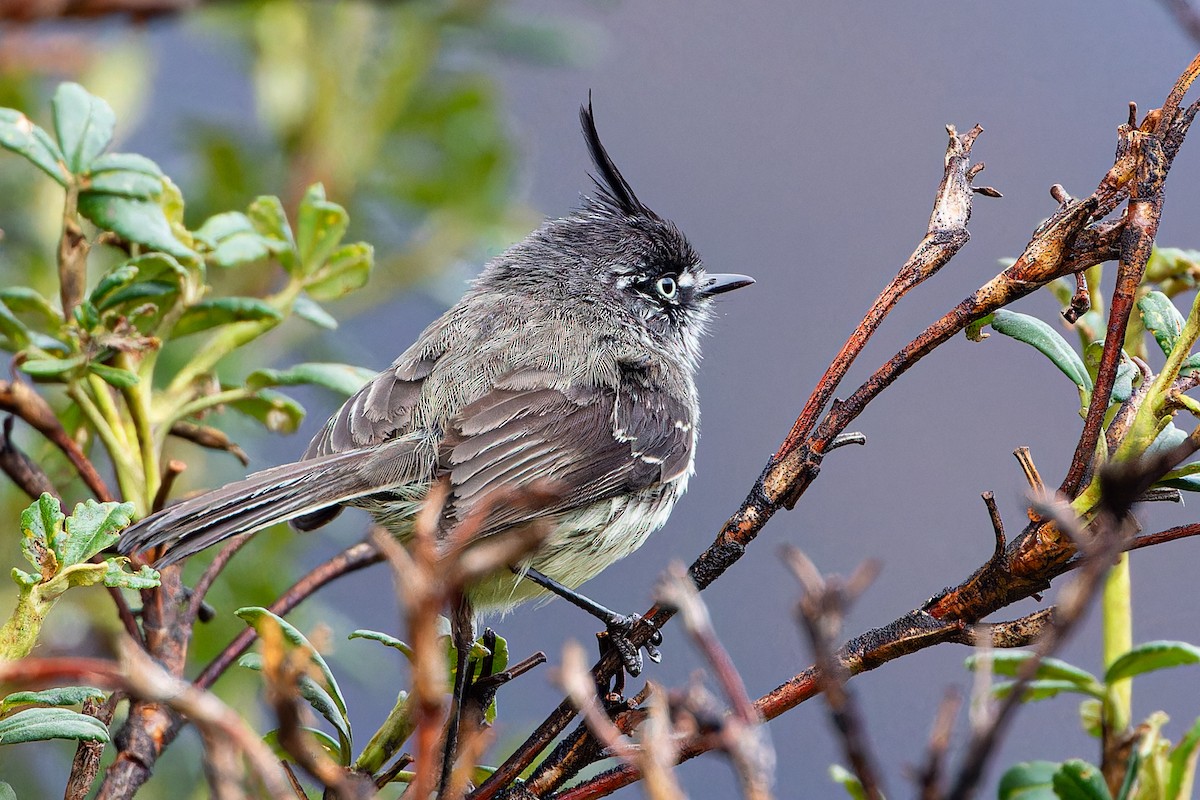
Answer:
(17, 397)
(26, 473)
(929, 777)
(821, 611)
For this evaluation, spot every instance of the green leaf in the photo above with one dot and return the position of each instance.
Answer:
(1161, 318)
(127, 162)
(1190, 364)
(12, 328)
(125, 183)
(1029, 780)
(139, 293)
(255, 616)
(25, 300)
(322, 703)
(21, 136)
(39, 724)
(341, 378)
(848, 781)
(266, 213)
(233, 241)
(348, 269)
(1046, 340)
(479, 657)
(1182, 762)
(118, 278)
(277, 412)
(116, 576)
(307, 309)
(59, 696)
(1091, 717)
(383, 638)
(7, 792)
(51, 367)
(1151, 656)
(320, 226)
(83, 123)
(330, 744)
(92, 527)
(1009, 662)
(1079, 780)
(1126, 371)
(41, 526)
(974, 331)
(215, 311)
(139, 221)
(114, 376)
(1044, 689)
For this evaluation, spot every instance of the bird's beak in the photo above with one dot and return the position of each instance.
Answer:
(721, 283)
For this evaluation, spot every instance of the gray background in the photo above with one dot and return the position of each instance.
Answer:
(801, 143)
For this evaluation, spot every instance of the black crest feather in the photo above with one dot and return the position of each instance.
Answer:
(614, 191)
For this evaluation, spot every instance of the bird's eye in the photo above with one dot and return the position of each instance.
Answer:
(667, 287)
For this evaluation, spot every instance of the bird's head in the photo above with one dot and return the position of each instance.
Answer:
(615, 251)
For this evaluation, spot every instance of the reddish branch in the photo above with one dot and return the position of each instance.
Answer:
(30, 406)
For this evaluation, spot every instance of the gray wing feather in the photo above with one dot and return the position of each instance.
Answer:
(379, 411)
(595, 444)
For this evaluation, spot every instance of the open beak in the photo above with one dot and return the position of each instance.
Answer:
(721, 283)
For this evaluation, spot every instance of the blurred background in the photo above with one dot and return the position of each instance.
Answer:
(798, 142)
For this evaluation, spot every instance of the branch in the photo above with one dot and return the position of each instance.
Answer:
(18, 398)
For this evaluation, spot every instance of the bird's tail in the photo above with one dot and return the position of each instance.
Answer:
(262, 499)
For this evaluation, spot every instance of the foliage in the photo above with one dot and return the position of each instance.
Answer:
(136, 286)
(64, 553)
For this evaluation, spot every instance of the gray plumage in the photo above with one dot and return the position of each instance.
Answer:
(571, 358)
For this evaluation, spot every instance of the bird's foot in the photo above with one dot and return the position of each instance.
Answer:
(617, 636)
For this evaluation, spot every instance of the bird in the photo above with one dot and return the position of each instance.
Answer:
(571, 358)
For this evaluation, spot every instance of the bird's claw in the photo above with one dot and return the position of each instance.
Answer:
(619, 627)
